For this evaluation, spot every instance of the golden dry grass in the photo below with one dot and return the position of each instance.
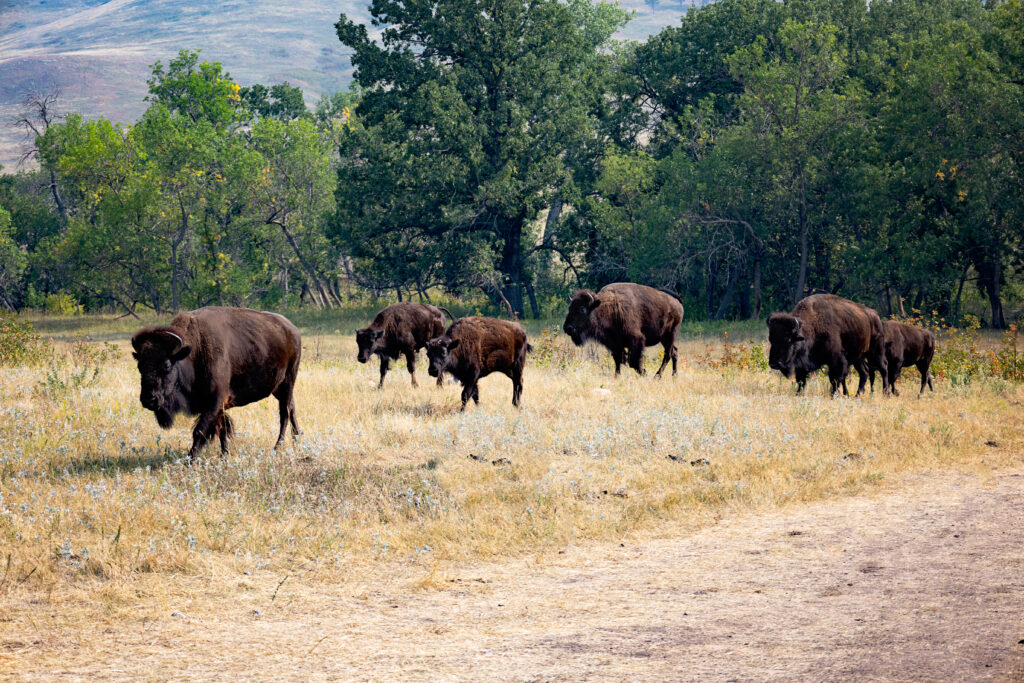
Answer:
(100, 515)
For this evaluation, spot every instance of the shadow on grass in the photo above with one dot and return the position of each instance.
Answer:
(111, 465)
(440, 409)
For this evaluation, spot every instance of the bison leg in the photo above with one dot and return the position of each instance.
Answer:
(636, 355)
(385, 363)
(675, 358)
(517, 386)
(286, 411)
(470, 391)
(894, 374)
(926, 376)
(862, 372)
(617, 355)
(225, 430)
(837, 371)
(207, 426)
(669, 354)
(410, 362)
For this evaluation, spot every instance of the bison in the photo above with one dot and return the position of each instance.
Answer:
(826, 330)
(907, 345)
(400, 329)
(474, 347)
(215, 358)
(626, 317)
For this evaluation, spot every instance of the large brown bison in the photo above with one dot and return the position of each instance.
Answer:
(907, 345)
(215, 358)
(400, 329)
(826, 330)
(625, 318)
(472, 348)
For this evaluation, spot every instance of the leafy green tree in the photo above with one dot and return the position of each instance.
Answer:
(198, 90)
(294, 194)
(12, 261)
(796, 102)
(281, 101)
(468, 111)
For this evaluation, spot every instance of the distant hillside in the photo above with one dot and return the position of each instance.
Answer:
(99, 51)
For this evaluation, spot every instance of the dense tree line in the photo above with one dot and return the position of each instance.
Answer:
(755, 153)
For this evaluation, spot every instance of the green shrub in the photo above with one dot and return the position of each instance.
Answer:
(61, 304)
(19, 343)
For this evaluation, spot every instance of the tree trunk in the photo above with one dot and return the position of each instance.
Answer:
(512, 265)
(730, 289)
(801, 280)
(534, 308)
(756, 312)
(318, 286)
(960, 295)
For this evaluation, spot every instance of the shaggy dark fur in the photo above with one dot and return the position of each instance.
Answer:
(826, 330)
(472, 348)
(400, 329)
(215, 358)
(907, 345)
(625, 318)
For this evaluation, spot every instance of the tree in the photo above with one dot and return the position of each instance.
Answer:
(198, 90)
(796, 101)
(12, 261)
(467, 114)
(294, 194)
(281, 101)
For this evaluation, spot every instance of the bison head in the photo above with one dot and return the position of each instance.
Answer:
(159, 352)
(439, 354)
(577, 321)
(787, 343)
(369, 343)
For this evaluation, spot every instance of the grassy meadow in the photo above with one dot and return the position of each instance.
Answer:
(101, 515)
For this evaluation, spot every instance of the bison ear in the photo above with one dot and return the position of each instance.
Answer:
(181, 353)
(594, 303)
(376, 334)
(453, 344)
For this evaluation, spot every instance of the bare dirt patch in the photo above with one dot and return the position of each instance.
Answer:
(923, 583)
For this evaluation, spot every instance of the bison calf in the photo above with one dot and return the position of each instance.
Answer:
(907, 345)
(400, 329)
(625, 318)
(215, 358)
(472, 348)
(826, 330)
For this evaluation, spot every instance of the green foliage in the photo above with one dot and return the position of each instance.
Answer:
(61, 304)
(79, 369)
(755, 153)
(19, 343)
(201, 91)
(492, 97)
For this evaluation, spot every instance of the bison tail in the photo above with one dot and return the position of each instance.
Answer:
(448, 312)
(529, 347)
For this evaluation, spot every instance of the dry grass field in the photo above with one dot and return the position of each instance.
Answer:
(104, 527)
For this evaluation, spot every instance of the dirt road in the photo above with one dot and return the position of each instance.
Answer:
(925, 583)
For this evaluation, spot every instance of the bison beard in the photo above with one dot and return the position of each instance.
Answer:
(215, 358)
